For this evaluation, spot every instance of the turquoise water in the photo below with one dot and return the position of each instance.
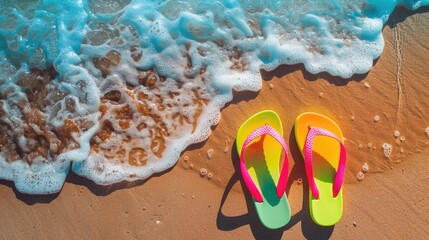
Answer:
(153, 75)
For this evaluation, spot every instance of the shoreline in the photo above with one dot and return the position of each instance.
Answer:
(189, 206)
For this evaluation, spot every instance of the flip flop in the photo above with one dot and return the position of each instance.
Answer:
(265, 171)
(322, 145)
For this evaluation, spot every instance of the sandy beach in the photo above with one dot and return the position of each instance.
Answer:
(391, 201)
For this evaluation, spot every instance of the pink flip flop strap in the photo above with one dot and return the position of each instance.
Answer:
(308, 159)
(281, 186)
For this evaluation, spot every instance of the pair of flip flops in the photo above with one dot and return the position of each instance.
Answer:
(264, 166)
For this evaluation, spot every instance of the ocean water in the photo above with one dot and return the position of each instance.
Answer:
(115, 90)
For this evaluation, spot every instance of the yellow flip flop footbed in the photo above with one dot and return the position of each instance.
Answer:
(327, 210)
(262, 159)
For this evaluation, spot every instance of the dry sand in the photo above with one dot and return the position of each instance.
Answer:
(391, 202)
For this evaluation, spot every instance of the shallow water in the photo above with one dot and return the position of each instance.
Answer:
(121, 88)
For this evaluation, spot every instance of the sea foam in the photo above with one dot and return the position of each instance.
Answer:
(118, 89)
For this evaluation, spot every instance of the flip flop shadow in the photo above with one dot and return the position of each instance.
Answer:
(229, 223)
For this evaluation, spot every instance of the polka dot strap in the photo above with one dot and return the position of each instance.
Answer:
(308, 159)
(281, 186)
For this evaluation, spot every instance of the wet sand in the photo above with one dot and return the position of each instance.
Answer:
(389, 203)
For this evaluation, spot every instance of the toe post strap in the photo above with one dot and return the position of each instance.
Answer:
(281, 186)
(312, 133)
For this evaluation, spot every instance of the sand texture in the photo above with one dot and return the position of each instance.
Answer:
(391, 202)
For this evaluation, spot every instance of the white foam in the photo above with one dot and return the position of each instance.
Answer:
(199, 51)
(387, 149)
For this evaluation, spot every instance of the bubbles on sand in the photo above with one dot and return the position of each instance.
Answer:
(203, 172)
(226, 149)
(210, 153)
(396, 133)
(360, 176)
(366, 85)
(376, 118)
(387, 149)
(365, 167)
(398, 141)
